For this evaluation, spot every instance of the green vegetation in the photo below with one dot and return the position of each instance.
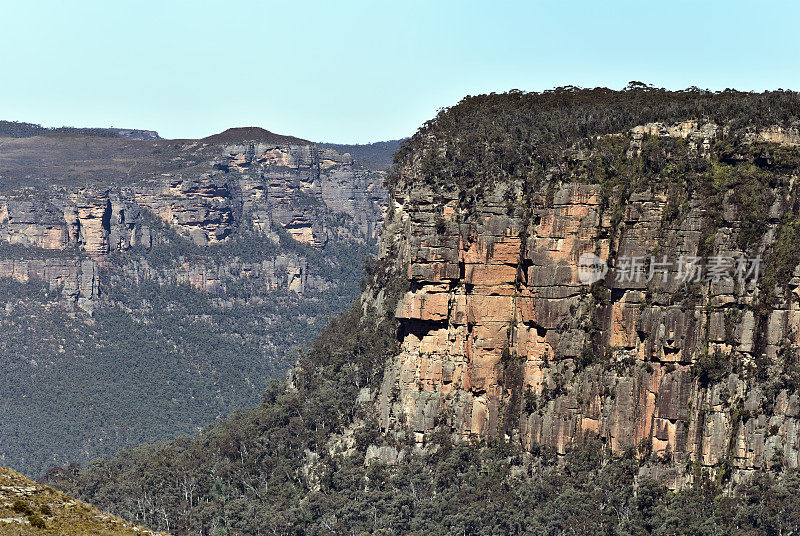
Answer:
(156, 360)
(711, 368)
(37, 522)
(253, 473)
(57, 514)
(295, 464)
(21, 507)
(516, 135)
(784, 256)
(17, 129)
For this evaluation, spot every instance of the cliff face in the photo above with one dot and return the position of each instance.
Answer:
(75, 279)
(315, 195)
(501, 336)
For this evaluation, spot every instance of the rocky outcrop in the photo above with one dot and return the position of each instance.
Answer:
(502, 335)
(135, 133)
(305, 190)
(92, 221)
(166, 259)
(35, 223)
(314, 194)
(283, 271)
(77, 280)
(202, 209)
(96, 221)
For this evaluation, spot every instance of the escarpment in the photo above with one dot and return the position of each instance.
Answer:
(686, 349)
(566, 316)
(251, 189)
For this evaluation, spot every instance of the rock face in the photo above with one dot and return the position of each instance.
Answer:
(76, 279)
(501, 336)
(296, 186)
(284, 271)
(33, 223)
(312, 194)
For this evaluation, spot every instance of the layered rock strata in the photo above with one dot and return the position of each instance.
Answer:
(501, 336)
(312, 194)
(77, 280)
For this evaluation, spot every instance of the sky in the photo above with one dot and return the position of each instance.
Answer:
(363, 71)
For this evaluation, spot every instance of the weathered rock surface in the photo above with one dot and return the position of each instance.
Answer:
(501, 337)
(164, 281)
(313, 194)
(284, 271)
(76, 279)
(33, 222)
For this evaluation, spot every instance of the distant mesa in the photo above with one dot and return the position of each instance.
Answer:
(18, 129)
(255, 134)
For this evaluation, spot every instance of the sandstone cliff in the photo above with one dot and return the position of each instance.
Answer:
(227, 191)
(501, 337)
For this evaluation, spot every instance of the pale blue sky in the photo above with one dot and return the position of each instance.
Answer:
(363, 71)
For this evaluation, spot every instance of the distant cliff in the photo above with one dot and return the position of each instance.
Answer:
(170, 279)
(17, 129)
(227, 193)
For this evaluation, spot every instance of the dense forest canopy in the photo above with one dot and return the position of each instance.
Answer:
(512, 135)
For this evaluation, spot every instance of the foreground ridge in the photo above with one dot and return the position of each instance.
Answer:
(30, 508)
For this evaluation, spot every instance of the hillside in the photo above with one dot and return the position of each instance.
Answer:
(152, 287)
(253, 134)
(17, 129)
(29, 508)
(485, 385)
